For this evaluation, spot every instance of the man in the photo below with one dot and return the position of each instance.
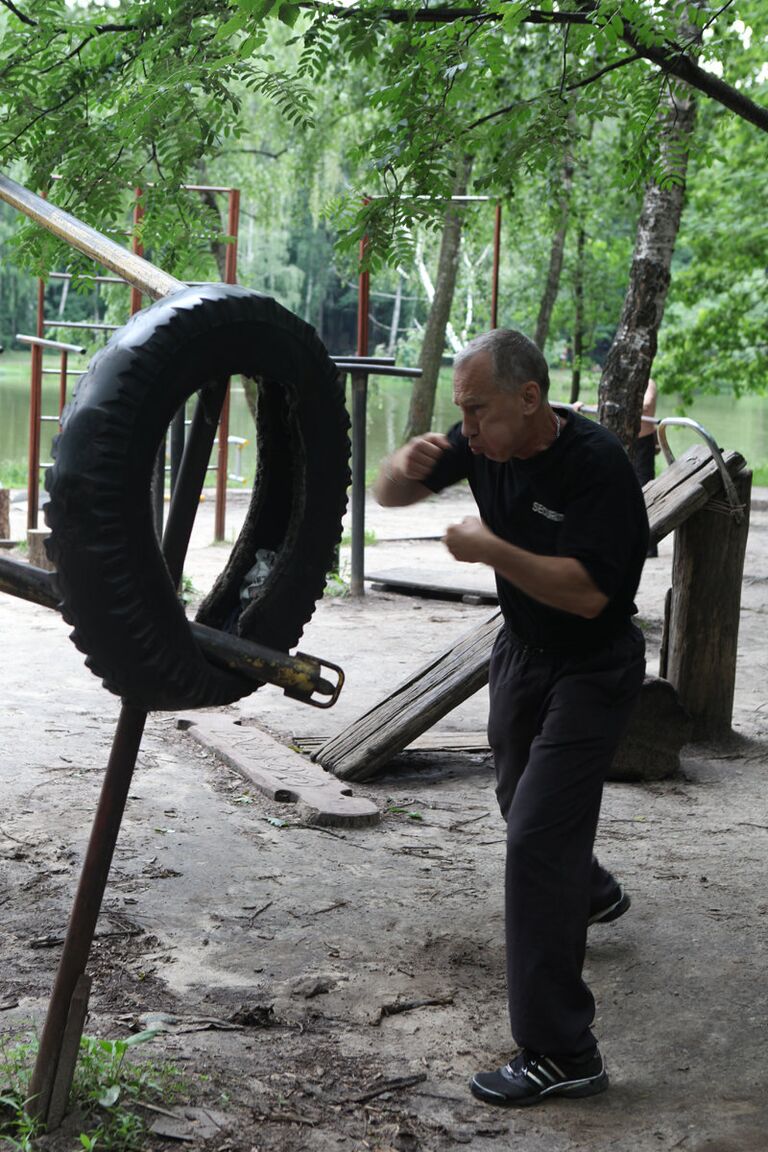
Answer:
(565, 529)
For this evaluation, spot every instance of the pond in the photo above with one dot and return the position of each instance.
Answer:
(741, 424)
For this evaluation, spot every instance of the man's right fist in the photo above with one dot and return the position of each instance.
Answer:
(418, 457)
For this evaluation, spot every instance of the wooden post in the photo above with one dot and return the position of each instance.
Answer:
(5, 514)
(707, 571)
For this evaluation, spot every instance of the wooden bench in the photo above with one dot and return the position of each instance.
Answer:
(698, 653)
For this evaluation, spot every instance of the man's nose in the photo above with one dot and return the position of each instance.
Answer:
(468, 427)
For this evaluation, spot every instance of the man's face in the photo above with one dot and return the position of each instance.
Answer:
(496, 423)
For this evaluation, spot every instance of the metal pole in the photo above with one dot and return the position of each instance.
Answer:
(359, 404)
(63, 383)
(495, 274)
(35, 412)
(230, 277)
(178, 433)
(85, 910)
(138, 248)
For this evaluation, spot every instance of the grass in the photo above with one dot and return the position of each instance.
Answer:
(13, 474)
(108, 1092)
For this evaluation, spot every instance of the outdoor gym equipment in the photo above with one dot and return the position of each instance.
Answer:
(118, 585)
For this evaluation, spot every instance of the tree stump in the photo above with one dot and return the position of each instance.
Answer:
(707, 571)
(5, 514)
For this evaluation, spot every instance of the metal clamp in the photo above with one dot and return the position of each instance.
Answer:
(736, 507)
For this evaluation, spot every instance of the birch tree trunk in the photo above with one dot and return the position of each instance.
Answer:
(628, 364)
(552, 284)
(395, 325)
(423, 393)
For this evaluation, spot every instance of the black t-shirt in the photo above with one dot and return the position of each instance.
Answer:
(579, 498)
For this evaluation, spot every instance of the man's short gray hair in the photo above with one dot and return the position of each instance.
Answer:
(515, 359)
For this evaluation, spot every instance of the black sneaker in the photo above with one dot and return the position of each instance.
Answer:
(617, 907)
(529, 1078)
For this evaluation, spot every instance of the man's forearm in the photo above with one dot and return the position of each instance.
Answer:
(392, 488)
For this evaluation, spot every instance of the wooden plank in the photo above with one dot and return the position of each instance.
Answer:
(416, 704)
(427, 742)
(359, 751)
(279, 772)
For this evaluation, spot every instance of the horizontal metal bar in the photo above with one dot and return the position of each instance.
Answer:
(53, 345)
(363, 360)
(378, 370)
(86, 276)
(70, 371)
(299, 676)
(135, 269)
(84, 324)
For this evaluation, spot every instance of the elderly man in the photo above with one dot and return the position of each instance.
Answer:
(564, 527)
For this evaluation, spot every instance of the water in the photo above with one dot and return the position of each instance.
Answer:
(740, 424)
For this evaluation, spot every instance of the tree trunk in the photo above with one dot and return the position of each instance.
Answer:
(578, 316)
(423, 395)
(628, 364)
(395, 325)
(552, 284)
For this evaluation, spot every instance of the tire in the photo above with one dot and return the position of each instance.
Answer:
(115, 586)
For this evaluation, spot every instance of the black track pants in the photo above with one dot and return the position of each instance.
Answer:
(555, 722)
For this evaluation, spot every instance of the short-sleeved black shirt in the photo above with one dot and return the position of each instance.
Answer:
(579, 498)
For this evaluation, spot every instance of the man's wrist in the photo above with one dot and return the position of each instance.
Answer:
(392, 473)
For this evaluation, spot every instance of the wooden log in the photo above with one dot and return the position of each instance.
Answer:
(358, 751)
(707, 571)
(38, 556)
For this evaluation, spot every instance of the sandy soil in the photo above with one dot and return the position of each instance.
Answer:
(279, 948)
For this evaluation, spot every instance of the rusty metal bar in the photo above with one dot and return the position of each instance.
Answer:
(230, 277)
(495, 274)
(191, 477)
(299, 674)
(85, 910)
(137, 271)
(35, 412)
(62, 383)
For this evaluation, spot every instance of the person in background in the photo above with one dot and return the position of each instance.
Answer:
(646, 446)
(564, 527)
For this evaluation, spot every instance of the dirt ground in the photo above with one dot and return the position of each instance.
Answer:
(276, 948)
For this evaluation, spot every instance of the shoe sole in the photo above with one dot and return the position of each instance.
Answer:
(613, 912)
(574, 1090)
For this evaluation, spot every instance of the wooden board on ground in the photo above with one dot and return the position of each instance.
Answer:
(279, 772)
(431, 585)
(470, 742)
(361, 750)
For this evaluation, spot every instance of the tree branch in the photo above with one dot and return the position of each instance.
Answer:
(671, 58)
(569, 88)
(19, 15)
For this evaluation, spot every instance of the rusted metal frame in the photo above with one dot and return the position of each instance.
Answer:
(85, 909)
(495, 273)
(300, 674)
(35, 412)
(359, 419)
(230, 277)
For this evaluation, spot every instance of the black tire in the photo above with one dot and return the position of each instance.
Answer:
(115, 585)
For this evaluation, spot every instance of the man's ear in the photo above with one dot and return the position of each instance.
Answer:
(531, 397)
